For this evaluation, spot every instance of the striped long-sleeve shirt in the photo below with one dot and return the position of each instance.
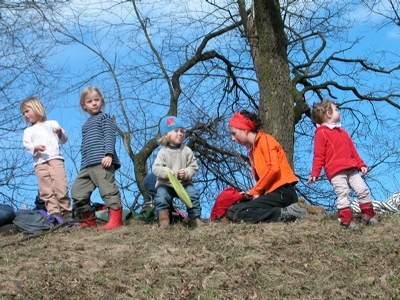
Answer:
(98, 140)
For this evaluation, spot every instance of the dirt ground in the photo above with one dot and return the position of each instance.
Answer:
(308, 259)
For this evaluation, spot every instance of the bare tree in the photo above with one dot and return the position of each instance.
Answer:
(25, 49)
(389, 11)
(204, 60)
(298, 37)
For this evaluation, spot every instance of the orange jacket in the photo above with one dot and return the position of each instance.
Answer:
(269, 165)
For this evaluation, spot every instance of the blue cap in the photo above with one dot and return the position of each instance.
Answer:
(170, 123)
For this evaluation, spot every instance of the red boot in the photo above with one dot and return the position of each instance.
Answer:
(114, 220)
(368, 214)
(346, 218)
(90, 219)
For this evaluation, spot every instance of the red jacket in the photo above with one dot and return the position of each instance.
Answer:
(269, 165)
(335, 151)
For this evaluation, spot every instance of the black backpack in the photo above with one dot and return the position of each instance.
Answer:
(253, 212)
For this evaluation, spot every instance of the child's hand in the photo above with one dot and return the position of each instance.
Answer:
(181, 174)
(312, 179)
(40, 148)
(106, 161)
(58, 131)
(364, 170)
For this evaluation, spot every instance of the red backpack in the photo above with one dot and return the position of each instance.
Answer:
(226, 199)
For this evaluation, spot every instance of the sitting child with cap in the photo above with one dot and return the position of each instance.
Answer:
(176, 157)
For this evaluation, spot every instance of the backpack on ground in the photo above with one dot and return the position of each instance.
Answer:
(7, 214)
(226, 199)
(31, 221)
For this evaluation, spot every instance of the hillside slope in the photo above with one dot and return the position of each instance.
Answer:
(308, 259)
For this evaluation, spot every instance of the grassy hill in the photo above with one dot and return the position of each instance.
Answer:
(308, 259)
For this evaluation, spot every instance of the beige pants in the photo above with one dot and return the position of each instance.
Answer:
(346, 179)
(53, 186)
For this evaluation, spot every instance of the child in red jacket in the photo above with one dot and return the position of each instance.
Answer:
(335, 151)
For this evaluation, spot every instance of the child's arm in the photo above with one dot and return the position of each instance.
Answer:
(360, 163)
(319, 157)
(192, 167)
(110, 136)
(160, 168)
(29, 146)
(62, 136)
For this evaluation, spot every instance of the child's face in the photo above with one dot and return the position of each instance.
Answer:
(177, 136)
(93, 103)
(335, 115)
(29, 115)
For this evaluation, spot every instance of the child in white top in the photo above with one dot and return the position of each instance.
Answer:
(42, 140)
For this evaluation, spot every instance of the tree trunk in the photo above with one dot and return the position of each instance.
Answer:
(269, 51)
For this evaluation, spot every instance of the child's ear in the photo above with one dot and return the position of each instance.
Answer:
(329, 114)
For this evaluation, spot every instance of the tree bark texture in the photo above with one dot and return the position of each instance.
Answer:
(268, 43)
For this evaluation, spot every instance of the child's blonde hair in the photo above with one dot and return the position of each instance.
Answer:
(320, 109)
(36, 106)
(87, 91)
(164, 139)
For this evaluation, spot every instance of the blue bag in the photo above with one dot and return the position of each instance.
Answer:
(7, 214)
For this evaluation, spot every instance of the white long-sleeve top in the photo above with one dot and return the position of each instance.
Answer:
(42, 133)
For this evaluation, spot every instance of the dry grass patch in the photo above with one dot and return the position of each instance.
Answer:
(308, 259)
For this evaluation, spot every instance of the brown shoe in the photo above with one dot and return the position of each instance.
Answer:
(163, 219)
(196, 222)
(67, 216)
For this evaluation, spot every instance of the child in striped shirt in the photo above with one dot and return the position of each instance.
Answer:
(99, 163)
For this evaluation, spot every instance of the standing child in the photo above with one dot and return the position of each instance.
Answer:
(43, 140)
(334, 150)
(99, 163)
(176, 157)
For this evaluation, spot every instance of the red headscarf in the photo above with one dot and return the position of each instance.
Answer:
(241, 122)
